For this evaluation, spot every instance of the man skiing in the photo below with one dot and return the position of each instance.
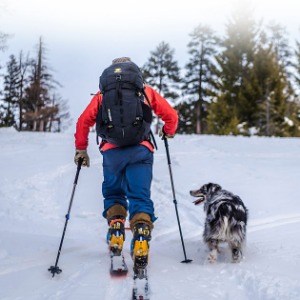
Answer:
(127, 170)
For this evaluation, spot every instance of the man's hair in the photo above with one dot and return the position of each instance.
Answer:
(121, 60)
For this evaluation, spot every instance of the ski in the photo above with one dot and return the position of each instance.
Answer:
(118, 265)
(140, 289)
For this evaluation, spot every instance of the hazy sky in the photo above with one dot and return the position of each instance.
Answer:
(82, 37)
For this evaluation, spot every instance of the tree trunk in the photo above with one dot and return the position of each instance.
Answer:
(199, 103)
(42, 122)
(20, 117)
(198, 121)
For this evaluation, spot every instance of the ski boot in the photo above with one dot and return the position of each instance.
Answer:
(116, 235)
(140, 247)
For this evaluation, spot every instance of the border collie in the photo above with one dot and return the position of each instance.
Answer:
(226, 220)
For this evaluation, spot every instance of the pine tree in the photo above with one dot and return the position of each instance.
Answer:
(293, 110)
(263, 80)
(280, 43)
(285, 113)
(199, 76)
(14, 84)
(40, 104)
(297, 64)
(10, 93)
(61, 119)
(274, 93)
(234, 96)
(3, 39)
(186, 117)
(162, 73)
(37, 93)
(24, 63)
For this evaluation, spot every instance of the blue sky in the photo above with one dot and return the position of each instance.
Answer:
(82, 37)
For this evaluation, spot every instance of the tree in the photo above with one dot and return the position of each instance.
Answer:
(14, 83)
(41, 103)
(186, 117)
(263, 81)
(199, 76)
(280, 44)
(297, 64)
(3, 39)
(24, 63)
(294, 107)
(61, 120)
(281, 105)
(234, 63)
(266, 80)
(37, 93)
(272, 90)
(10, 97)
(30, 100)
(162, 73)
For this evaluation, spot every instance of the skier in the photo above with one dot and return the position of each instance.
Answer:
(127, 172)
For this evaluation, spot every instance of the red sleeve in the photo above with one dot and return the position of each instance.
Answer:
(163, 109)
(86, 120)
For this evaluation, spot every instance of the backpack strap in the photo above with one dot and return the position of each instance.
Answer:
(144, 93)
(152, 138)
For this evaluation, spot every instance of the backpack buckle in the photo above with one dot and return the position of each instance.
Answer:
(118, 77)
(137, 122)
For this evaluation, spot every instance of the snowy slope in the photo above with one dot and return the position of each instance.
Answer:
(36, 180)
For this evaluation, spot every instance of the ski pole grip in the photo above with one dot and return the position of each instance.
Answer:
(80, 160)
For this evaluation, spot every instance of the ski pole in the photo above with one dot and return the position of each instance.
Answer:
(175, 201)
(55, 269)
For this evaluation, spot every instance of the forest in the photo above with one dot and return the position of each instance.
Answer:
(246, 82)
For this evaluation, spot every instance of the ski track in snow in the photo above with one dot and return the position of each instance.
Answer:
(269, 223)
(34, 201)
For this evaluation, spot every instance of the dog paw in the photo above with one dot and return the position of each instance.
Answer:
(212, 257)
(236, 255)
(237, 260)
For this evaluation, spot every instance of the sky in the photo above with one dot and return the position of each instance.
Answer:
(82, 37)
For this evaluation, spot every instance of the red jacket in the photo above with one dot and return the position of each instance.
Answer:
(87, 119)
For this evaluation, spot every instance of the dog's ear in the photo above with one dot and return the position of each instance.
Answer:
(211, 188)
(215, 187)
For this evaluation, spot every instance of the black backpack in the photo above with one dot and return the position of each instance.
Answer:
(123, 118)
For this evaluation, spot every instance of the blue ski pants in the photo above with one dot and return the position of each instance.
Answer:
(127, 179)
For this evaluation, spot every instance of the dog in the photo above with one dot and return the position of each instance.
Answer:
(226, 220)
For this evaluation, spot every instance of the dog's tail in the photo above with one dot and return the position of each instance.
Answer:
(233, 221)
(225, 229)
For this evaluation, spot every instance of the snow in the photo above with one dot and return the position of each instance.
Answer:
(288, 121)
(36, 181)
